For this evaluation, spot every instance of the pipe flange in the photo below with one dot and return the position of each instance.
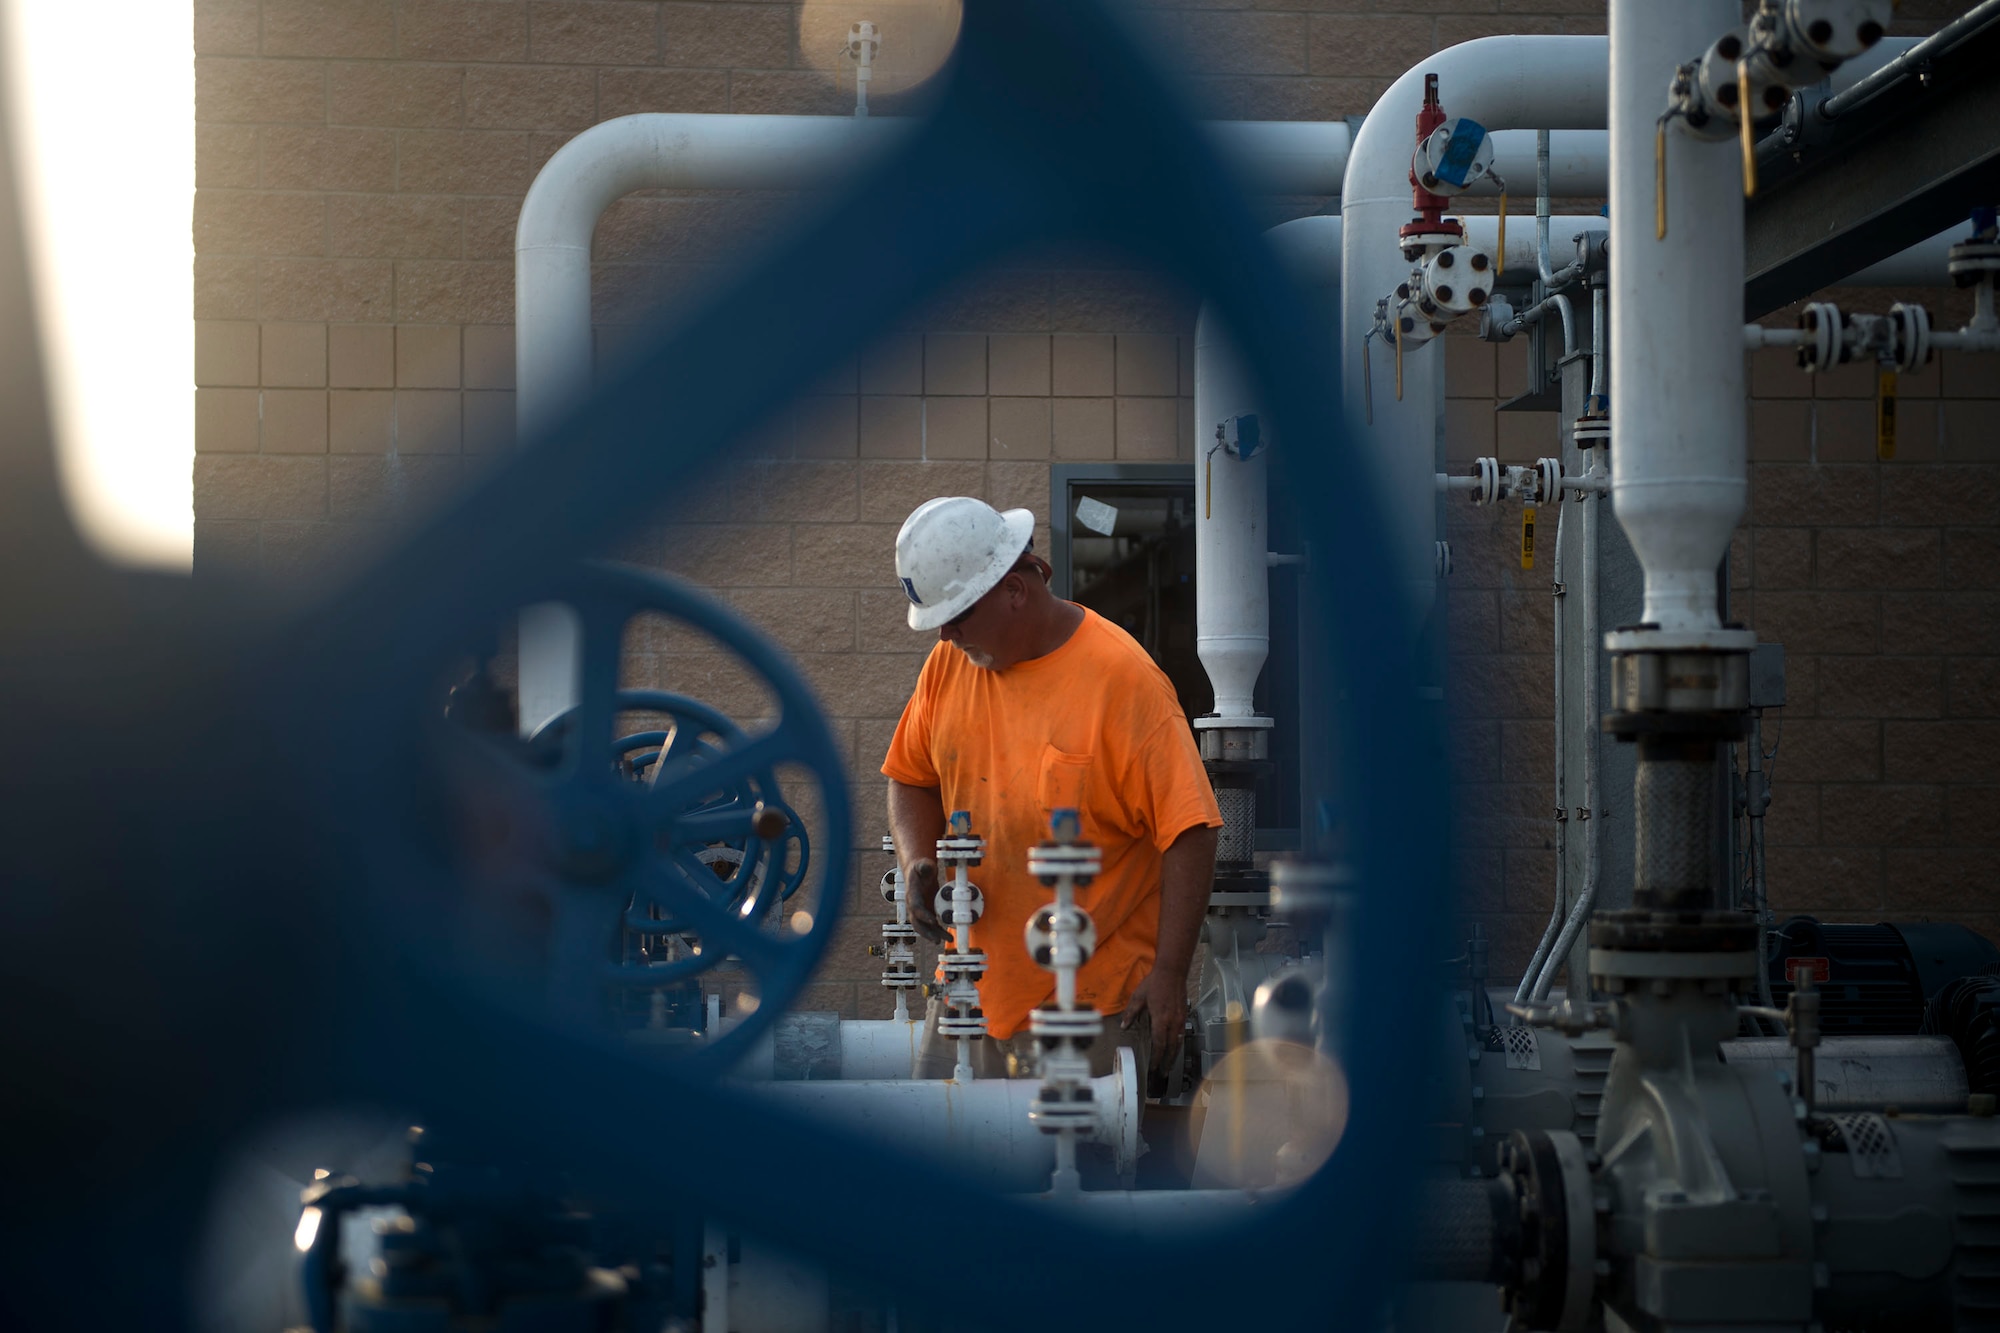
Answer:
(1050, 861)
(962, 965)
(974, 906)
(1826, 344)
(1066, 1024)
(1453, 158)
(1969, 261)
(1680, 682)
(1555, 1281)
(1485, 473)
(1693, 726)
(1309, 893)
(1609, 967)
(1639, 933)
(1420, 238)
(1455, 281)
(1910, 329)
(960, 851)
(1041, 936)
(968, 1025)
(1592, 430)
(1443, 559)
(1548, 480)
(892, 887)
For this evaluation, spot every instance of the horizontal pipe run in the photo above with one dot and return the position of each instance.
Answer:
(1756, 336)
(979, 1129)
(1911, 61)
(1868, 1073)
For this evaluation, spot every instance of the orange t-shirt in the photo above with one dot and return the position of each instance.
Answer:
(1094, 725)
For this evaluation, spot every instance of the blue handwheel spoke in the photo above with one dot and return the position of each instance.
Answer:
(722, 823)
(676, 889)
(602, 639)
(676, 786)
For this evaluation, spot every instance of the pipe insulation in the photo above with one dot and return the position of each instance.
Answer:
(604, 163)
(1232, 587)
(978, 1129)
(1231, 501)
(819, 1045)
(1681, 479)
(1310, 157)
(1504, 83)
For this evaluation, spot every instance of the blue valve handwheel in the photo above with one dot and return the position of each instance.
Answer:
(604, 850)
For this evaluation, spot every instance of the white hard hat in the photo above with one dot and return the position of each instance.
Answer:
(952, 551)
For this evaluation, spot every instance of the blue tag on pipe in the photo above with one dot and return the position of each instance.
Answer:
(1459, 150)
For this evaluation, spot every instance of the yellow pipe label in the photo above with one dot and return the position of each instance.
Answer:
(1885, 414)
(1528, 537)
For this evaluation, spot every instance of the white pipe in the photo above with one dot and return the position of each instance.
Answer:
(878, 1048)
(1160, 1214)
(588, 174)
(1507, 83)
(1677, 369)
(1232, 511)
(980, 1129)
(875, 1049)
(1579, 163)
(1586, 898)
(1525, 991)
(1309, 157)
(1284, 156)
(553, 341)
(1518, 264)
(1232, 586)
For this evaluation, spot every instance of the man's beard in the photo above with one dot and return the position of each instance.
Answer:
(979, 657)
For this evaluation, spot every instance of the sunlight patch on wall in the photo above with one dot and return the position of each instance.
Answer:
(103, 119)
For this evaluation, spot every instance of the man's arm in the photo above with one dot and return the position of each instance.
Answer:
(916, 822)
(1187, 873)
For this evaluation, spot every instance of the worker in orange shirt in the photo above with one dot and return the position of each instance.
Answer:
(1029, 704)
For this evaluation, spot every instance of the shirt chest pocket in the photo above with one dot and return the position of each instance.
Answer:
(1065, 781)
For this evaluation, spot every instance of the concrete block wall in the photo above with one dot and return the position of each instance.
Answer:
(360, 168)
(1879, 579)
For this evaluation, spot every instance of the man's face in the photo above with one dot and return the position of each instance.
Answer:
(973, 632)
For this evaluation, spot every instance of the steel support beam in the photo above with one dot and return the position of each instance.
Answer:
(1850, 191)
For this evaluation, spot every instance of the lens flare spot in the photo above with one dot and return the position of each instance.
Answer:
(1270, 1114)
(308, 1230)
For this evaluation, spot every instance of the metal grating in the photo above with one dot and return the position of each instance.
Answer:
(1871, 1146)
(1522, 1047)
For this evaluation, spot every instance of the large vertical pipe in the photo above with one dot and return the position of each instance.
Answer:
(1232, 537)
(1503, 83)
(1680, 483)
(1231, 495)
(1232, 585)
